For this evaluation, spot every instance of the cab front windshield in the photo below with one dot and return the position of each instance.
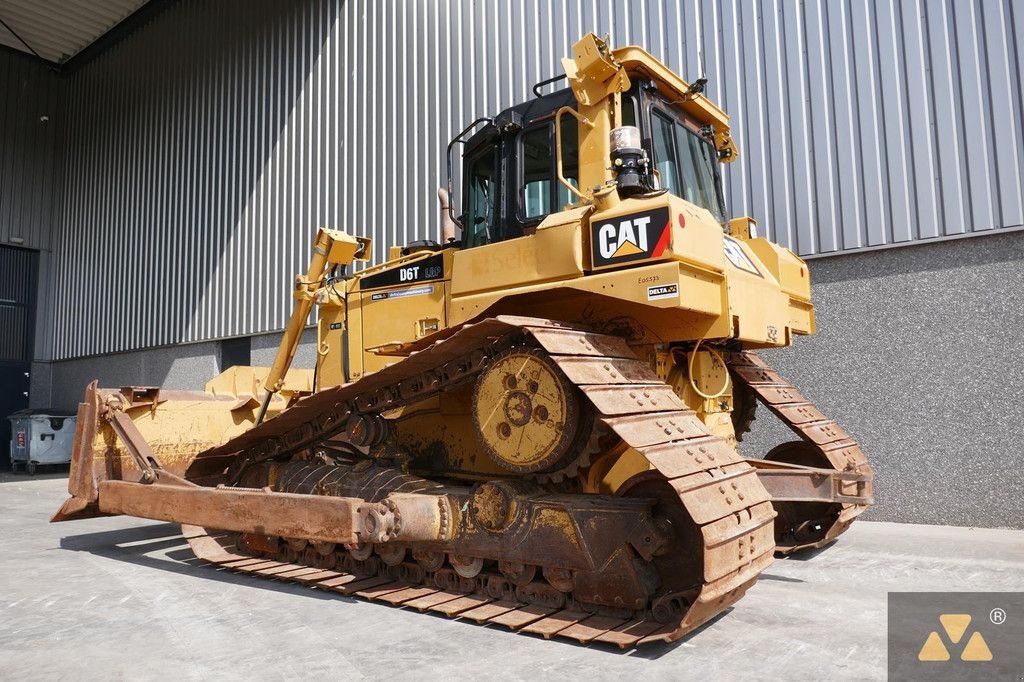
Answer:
(687, 162)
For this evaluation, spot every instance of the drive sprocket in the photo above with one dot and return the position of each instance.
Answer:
(529, 417)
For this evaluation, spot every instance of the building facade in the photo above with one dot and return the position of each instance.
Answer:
(168, 188)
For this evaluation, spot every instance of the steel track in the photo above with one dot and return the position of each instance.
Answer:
(718, 490)
(837, 448)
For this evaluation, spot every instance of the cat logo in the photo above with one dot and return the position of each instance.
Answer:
(623, 241)
(630, 237)
(955, 625)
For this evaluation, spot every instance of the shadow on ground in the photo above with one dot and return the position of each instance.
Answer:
(161, 546)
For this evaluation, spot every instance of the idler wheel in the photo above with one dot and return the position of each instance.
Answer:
(526, 412)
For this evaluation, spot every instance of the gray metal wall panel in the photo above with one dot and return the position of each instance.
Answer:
(198, 168)
(29, 116)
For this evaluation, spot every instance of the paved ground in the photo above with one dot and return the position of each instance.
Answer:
(116, 598)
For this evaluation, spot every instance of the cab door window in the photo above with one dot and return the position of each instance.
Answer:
(478, 221)
(540, 192)
(666, 161)
(535, 150)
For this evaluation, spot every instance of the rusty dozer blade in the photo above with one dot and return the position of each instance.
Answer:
(162, 495)
(133, 432)
(82, 483)
(129, 433)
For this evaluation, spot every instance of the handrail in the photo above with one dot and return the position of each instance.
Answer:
(458, 139)
(549, 81)
(558, 147)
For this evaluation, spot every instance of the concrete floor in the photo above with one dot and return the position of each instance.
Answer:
(117, 598)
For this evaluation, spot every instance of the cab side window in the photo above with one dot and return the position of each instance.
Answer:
(665, 160)
(687, 164)
(698, 163)
(570, 163)
(535, 150)
(478, 221)
(540, 192)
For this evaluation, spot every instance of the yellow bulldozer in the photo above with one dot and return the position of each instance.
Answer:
(534, 424)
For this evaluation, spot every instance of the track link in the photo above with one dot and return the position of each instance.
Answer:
(475, 606)
(732, 538)
(719, 490)
(824, 435)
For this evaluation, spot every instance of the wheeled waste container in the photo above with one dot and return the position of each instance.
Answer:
(41, 437)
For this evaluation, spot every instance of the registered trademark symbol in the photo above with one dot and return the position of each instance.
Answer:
(997, 616)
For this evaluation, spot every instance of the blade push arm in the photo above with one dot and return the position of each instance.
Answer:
(331, 247)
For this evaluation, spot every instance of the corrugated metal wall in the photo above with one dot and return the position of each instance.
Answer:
(30, 108)
(198, 177)
(205, 147)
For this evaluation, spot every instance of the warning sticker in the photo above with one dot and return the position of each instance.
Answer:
(403, 293)
(738, 257)
(663, 291)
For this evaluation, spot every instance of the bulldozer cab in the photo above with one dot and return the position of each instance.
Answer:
(509, 177)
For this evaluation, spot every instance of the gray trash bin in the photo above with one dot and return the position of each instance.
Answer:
(41, 437)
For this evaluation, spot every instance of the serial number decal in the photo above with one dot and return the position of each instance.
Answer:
(420, 271)
(661, 292)
(403, 293)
